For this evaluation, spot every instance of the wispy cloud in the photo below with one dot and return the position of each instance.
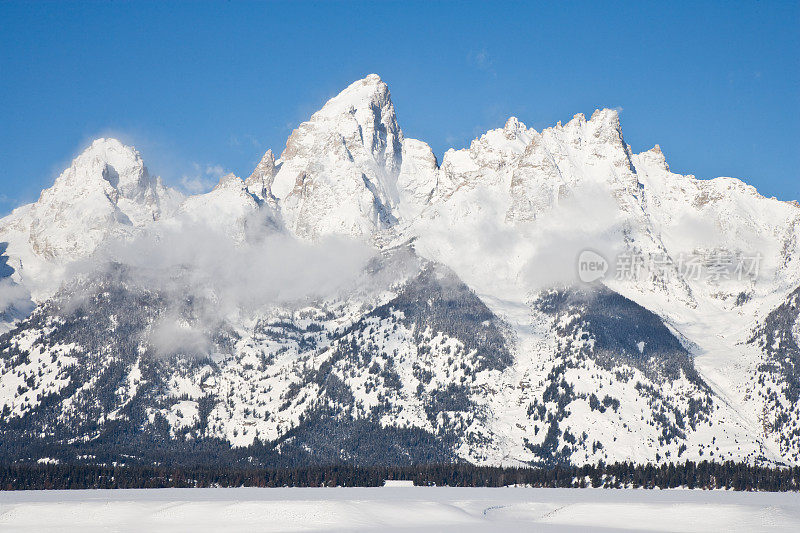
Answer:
(244, 140)
(207, 276)
(482, 60)
(202, 179)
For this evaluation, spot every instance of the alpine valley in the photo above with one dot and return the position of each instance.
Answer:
(358, 301)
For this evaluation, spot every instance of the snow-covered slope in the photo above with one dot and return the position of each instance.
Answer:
(230, 208)
(400, 509)
(467, 336)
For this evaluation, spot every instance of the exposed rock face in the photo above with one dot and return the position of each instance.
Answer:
(339, 170)
(260, 181)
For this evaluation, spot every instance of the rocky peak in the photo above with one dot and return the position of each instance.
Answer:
(106, 164)
(604, 132)
(260, 181)
(106, 190)
(347, 157)
(366, 93)
(605, 117)
(362, 114)
(501, 147)
(513, 128)
(576, 124)
(578, 119)
(602, 128)
(230, 181)
(655, 157)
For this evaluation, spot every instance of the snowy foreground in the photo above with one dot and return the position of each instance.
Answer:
(427, 509)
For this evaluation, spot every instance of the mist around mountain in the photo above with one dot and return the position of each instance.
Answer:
(355, 300)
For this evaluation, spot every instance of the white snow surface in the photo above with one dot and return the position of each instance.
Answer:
(398, 509)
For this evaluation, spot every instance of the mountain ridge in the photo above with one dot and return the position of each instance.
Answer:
(433, 307)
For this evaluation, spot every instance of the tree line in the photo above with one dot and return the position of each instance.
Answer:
(702, 475)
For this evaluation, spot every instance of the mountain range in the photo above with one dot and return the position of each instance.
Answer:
(541, 297)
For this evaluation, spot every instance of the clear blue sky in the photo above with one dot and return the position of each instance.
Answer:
(197, 85)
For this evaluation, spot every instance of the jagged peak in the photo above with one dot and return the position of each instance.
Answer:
(578, 121)
(513, 124)
(605, 125)
(363, 110)
(105, 163)
(110, 151)
(348, 152)
(364, 93)
(264, 170)
(108, 142)
(268, 160)
(600, 119)
(230, 181)
(656, 156)
(605, 115)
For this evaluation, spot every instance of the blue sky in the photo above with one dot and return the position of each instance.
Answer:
(205, 87)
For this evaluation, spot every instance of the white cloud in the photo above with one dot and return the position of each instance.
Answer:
(15, 300)
(527, 257)
(482, 60)
(246, 139)
(189, 261)
(200, 180)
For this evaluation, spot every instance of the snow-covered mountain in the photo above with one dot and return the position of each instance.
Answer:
(349, 170)
(338, 173)
(356, 300)
(107, 192)
(230, 207)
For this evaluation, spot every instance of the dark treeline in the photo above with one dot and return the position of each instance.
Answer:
(704, 475)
